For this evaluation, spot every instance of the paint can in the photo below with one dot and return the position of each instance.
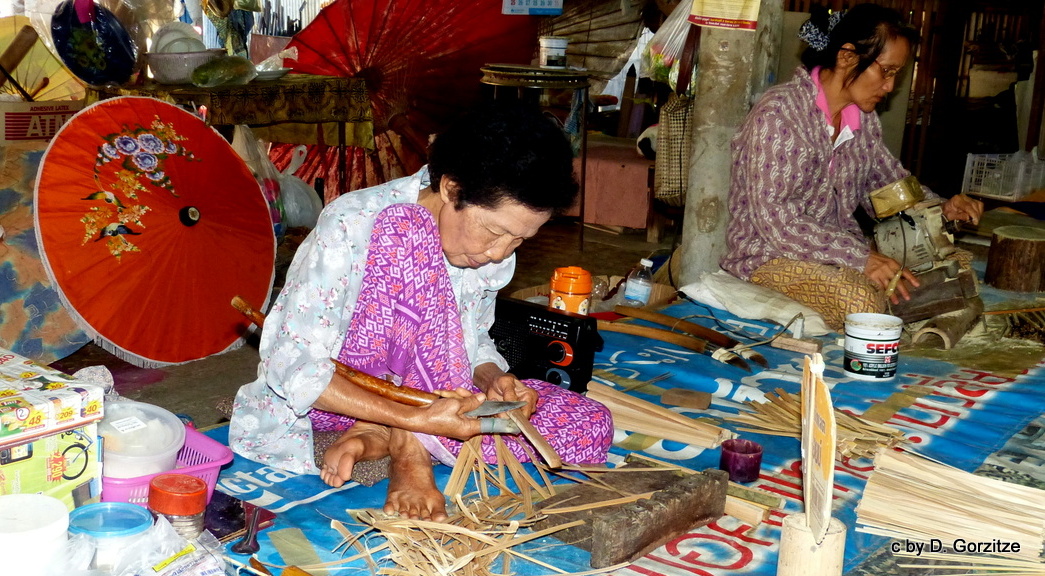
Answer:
(553, 51)
(872, 346)
(570, 290)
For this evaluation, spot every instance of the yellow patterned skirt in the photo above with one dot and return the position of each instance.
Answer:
(833, 291)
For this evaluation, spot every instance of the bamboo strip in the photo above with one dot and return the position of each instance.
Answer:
(637, 415)
(600, 504)
(780, 415)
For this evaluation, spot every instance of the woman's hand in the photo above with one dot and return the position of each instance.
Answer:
(963, 208)
(500, 385)
(882, 270)
(445, 416)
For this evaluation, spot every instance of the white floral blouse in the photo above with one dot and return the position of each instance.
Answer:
(309, 318)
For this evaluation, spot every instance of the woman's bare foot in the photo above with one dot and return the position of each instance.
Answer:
(363, 441)
(411, 484)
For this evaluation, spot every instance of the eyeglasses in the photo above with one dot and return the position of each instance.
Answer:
(888, 72)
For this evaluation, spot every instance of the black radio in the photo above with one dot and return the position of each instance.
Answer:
(545, 343)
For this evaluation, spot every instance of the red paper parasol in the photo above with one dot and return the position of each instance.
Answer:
(149, 223)
(421, 62)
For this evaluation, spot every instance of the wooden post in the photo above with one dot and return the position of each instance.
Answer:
(732, 67)
(800, 555)
(1016, 259)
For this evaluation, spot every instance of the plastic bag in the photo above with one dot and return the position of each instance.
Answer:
(746, 300)
(226, 70)
(250, 148)
(660, 59)
(301, 203)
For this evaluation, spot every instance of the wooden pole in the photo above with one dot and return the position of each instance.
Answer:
(800, 555)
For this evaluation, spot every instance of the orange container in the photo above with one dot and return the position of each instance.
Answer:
(570, 290)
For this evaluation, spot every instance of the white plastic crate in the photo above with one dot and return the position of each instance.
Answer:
(1003, 176)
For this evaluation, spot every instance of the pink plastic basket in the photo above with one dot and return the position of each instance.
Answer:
(201, 457)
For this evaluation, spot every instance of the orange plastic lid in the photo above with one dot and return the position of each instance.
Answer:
(571, 280)
(177, 495)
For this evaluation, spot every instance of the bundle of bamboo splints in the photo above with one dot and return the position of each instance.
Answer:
(915, 499)
(781, 415)
(1028, 323)
(481, 537)
(637, 415)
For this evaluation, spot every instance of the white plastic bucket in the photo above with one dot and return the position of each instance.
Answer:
(872, 346)
(33, 531)
(553, 51)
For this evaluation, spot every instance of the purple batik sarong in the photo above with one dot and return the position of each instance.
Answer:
(406, 324)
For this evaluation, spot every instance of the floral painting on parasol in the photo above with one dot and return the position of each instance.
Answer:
(148, 224)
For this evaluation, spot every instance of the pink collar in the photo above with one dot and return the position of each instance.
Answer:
(850, 114)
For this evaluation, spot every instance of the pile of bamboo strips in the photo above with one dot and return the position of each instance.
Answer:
(781, 415)
(913, 498)
(482, 535)
(637, 415)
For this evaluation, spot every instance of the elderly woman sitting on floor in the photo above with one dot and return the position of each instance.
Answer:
(400, 280)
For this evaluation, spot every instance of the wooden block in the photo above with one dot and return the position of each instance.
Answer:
(745, 511)
(801, 345)
(678, 503)
(686, 398)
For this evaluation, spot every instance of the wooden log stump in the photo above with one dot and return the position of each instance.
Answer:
(1016, 259)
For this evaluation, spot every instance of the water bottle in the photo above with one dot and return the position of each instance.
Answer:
(639, 284)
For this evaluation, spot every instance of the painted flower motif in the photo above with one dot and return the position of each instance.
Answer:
(109, 151)
(127, 144)
(150, 143)
(146, 161)
(157, 175)
(172, 148)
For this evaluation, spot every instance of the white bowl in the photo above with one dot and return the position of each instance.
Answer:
(268, 75)
(177, 67)
(140, 439)
(172, 31)
(183, 45)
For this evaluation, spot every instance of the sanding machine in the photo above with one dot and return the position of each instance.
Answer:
(915, 233)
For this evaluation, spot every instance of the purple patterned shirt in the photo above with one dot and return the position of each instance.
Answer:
(792, 193)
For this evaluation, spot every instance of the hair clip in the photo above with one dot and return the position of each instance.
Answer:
(814, 36)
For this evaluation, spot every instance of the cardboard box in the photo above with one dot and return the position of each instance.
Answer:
(37, 401)
(35, 120)
(65, 465)
(661, 294)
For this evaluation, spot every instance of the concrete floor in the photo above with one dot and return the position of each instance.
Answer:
(193, 389)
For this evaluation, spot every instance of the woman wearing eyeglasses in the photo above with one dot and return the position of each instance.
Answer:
(807, 156)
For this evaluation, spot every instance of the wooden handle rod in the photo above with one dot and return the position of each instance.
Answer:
(683, 340)
(693, 328)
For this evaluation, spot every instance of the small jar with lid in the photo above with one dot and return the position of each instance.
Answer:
(182, 499)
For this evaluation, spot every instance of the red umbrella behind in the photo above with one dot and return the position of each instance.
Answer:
(149, 223)
(421, 61)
